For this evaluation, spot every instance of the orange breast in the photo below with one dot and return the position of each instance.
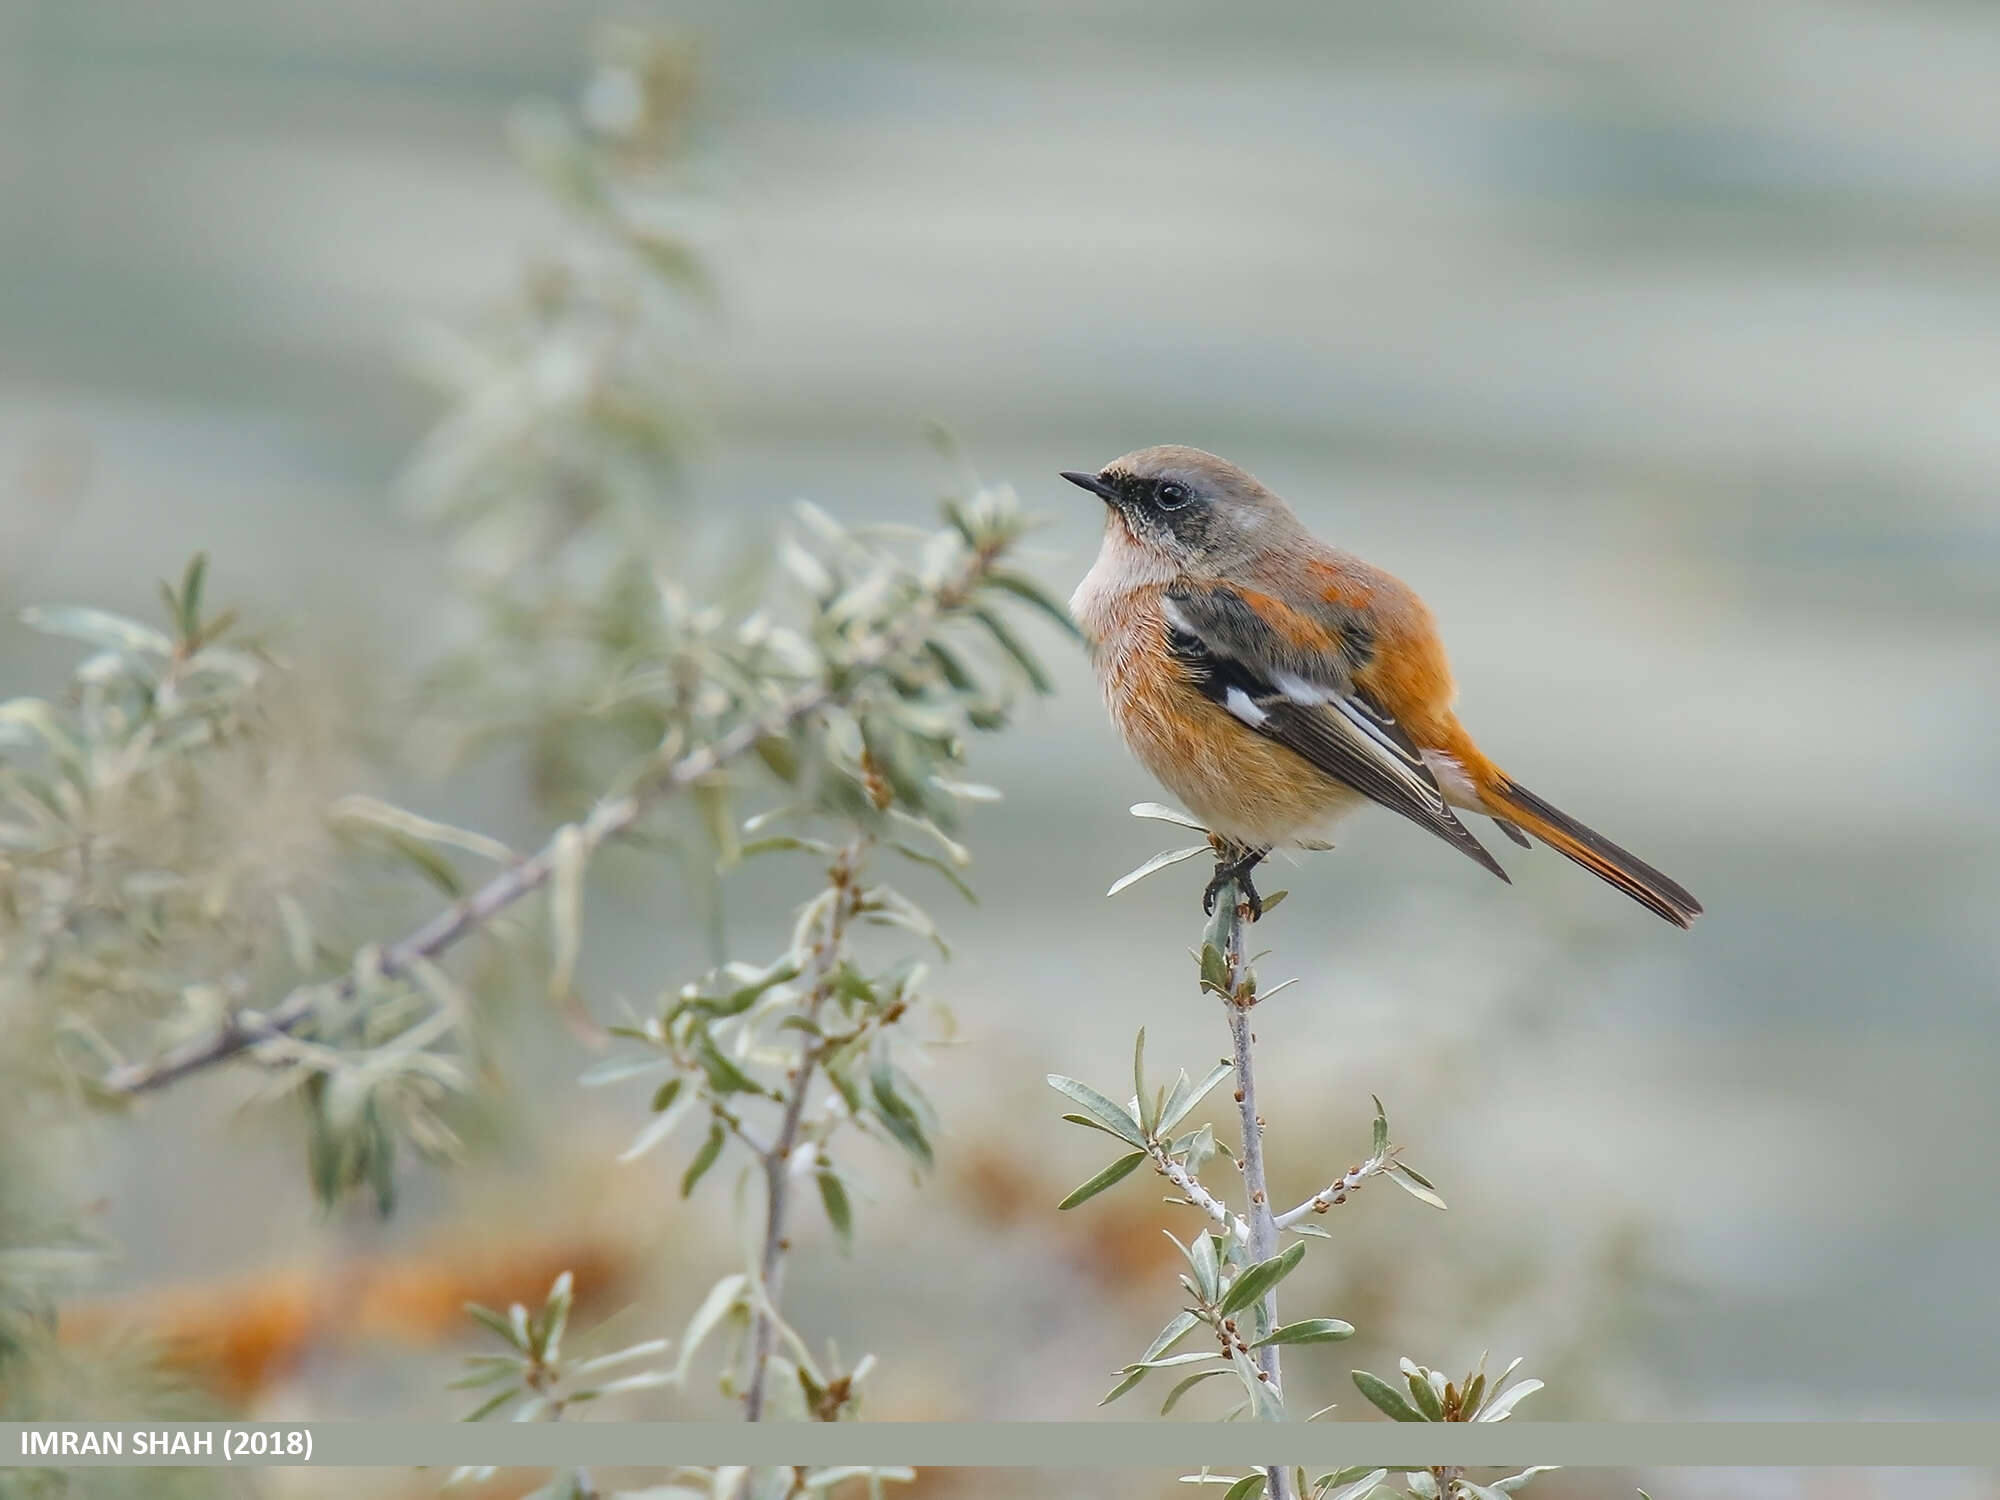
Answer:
(1234, 780)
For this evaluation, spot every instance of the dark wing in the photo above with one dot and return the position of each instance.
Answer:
(1296, 687)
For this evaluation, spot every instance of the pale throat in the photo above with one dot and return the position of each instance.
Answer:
(1123, 564)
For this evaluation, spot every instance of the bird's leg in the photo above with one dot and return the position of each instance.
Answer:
(1234, 862)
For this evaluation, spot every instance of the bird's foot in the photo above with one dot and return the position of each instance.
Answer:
(1235, 871)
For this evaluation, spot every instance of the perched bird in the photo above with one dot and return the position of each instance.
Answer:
(1274, 683)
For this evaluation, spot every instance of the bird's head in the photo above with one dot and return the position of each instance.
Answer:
(1191, 509)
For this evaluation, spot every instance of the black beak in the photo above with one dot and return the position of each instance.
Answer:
(1092, 483)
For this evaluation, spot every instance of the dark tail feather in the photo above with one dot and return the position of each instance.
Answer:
(1596, 853)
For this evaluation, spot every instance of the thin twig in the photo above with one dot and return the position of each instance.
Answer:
(244, 1029)
(777, 1161)
(1263, 1242)
(1335, 1191)
(1235, 1225)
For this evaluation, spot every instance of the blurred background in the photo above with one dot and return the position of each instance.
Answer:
(1658, 346)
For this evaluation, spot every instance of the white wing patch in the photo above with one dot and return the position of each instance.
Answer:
(1245, 708)
(1296, 688)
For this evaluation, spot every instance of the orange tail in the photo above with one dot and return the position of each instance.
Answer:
(1508, 800)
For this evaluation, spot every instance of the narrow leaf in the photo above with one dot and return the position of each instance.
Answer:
(1147, 1117)
(1308, 1331)
(1114, 1119)
(1357, 1487)
(1502, 1405)
(1117, 1172)
(1423, 1396)
(1415, 1186)
(1513, 1482)
(1385, 1397)
(839, 1212)
(1176, 1330)
(1254, 1281)
(1132, 1377)
(1207, 1272)
(1174, 1396)
(1158, 862)
(1159, 812)
(1178, 1107)
(704, 1158)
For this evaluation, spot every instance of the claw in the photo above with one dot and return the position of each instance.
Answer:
(1236, 871)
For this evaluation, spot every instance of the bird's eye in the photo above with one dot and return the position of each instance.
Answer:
(1172, 495)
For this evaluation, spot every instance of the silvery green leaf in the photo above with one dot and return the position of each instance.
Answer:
(1424, 1396)
(1207, 1273)
(896, 1111)
(486, 1408)
(1188, 1384)
(704, 1157)
(1422, 1485)
(1118, 1121)
(1214, 970)
(1179, 1102)
(1414, 1185)
(356, 808)
(944, 867)
(1200, 1148)
(1147, 1117)
(1381, 1129)
(495, 1323)
(1385, 1397)
(1514, 1482)
(1308, 1331)
(1131, 1378)
(1116, 1173)
(1246, 1488)
(1253, 1282)
(724, 1076)
(839, 1212)
(966, 791)
(1168, 1361)
(94, 627)
(1161, 813)
(1031, 592)
(555, 1316)
(1176, 1330)
(1312, 1230)
(725, 1295)
(568, 853)
(599, 1363)
(1502, 1406)
(618, 1069)
(1090, 1124)
(1348, 1484)
(1478, 1491)
(807, 571)
(1158, 862)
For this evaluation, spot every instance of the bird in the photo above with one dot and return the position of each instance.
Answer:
(1275, 683)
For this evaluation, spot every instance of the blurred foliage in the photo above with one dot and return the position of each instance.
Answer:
(554, 475)
(817, 704)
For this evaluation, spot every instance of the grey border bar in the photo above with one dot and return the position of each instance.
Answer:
(1081, 1445)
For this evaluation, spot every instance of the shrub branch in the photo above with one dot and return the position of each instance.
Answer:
(245, 1029)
